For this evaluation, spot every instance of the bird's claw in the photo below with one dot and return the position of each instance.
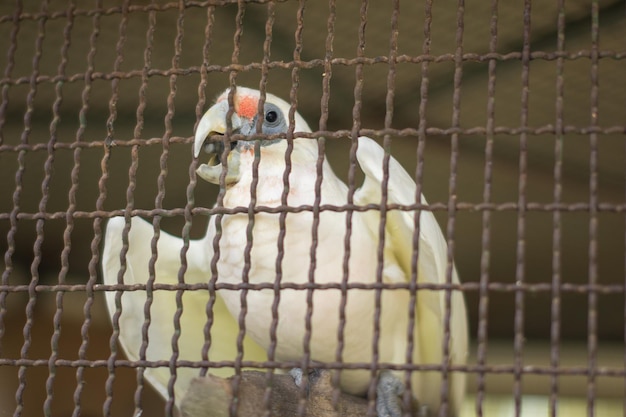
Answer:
(388, 392)
(298, 377)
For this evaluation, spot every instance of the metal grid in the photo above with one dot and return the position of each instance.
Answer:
(27, 93)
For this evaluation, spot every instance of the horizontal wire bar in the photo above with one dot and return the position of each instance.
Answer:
(309, 64)
(461, 206)
(99, 11)
(491, 369)
(548, 129)
(464, 287)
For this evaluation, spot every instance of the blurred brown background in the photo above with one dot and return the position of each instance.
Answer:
(22, 41)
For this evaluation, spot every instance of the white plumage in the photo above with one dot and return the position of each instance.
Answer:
(296, 264)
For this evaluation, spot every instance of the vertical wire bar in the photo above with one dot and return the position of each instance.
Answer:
(555, 328)
(624, 290)
(521, 217)
(330, 25)
(354, 139)
(186, 230)
(124, 250)
(241, 320)
(185, 234)
(267, 43)
(4, 95)
(165, 142)
(293, 101)
(407, 396)
(4, 103)
(328, 68)
(624, 283)
(34, 268)
(104, 167)
(247, 253)
(106, 407)
(389, 107)
(188, 216)
(208, 36)
(419, 169)
(97, 228)
(130, 202)
(110, 125)
(271, 351)
(65, 255)
(58, 314)
(592, 297)
(323, 125)
(130, 205)
(452, 198)
(485, 259)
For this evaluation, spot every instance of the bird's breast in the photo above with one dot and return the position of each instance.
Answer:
(287, 259)
(292, 249)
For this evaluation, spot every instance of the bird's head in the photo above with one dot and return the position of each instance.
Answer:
(244, 122)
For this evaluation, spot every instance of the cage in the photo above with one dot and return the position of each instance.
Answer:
(509, 116)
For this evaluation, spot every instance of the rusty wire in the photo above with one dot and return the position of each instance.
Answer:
(484, 286)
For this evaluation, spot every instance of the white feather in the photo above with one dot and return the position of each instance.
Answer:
(162, 311)
(432, 267)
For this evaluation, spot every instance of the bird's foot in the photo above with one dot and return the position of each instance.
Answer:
(388, 392)
(298, 377)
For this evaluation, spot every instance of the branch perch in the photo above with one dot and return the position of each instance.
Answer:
(211, 396)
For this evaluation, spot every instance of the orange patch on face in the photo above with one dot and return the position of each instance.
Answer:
(247, 106)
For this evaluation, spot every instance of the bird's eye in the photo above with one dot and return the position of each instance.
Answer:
(271, 116)
(273, 120)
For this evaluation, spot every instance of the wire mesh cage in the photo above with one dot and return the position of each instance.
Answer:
(508, 116)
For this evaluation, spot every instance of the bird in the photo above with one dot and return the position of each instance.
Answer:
(251, 169)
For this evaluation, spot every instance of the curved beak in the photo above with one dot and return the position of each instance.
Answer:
(214, 123)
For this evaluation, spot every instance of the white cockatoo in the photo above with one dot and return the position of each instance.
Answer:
(328, 265)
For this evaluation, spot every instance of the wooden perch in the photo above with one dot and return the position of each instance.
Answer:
(211, 396)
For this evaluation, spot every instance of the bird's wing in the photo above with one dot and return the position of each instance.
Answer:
(163, 309)
(432, 258)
